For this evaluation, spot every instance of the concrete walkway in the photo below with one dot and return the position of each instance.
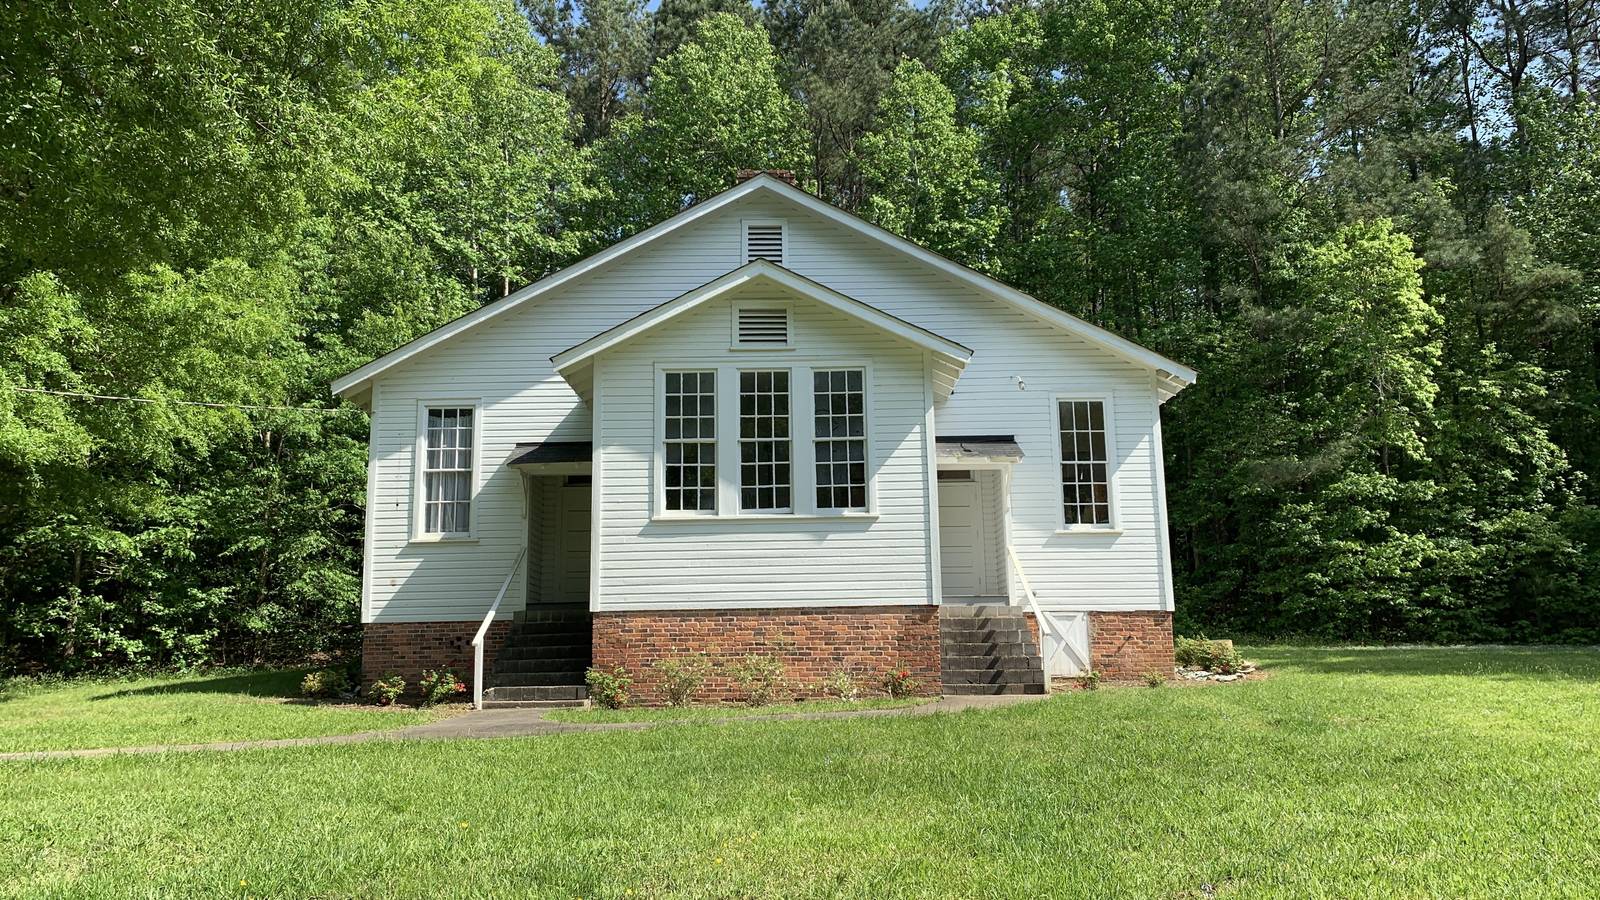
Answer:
(502, 723)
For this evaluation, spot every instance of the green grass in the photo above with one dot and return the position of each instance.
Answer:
(718, 713)
(1347, 773)
(233, 705)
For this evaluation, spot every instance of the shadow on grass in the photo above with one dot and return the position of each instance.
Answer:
(283, 683)
(1539, 663)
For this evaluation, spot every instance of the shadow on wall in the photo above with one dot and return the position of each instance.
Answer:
(1509, 663)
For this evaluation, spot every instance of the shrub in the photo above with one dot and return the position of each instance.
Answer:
(609, 689)
(842, 685)
(897, 682)
(1089, 680)
(761, 676)
(386, 690)
(681, 676)
(323, 683)
(1215, 656)
(440, 685)
(1155, 678)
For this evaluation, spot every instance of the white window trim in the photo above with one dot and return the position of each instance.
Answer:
(802, 439)
(744, 239)
(737, 475)
(1112, 493)
(658, 469)
(811, 429)
(419, 477)
(733, 325)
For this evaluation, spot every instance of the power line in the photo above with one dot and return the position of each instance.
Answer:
(212, 405)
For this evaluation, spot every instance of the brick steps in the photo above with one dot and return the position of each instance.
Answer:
(989, 650)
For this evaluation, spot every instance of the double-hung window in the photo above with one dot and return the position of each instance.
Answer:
(766, 471)
(1085, 466)
(690, 436)
(447, 470)
(839, 407)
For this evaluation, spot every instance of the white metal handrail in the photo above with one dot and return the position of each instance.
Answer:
(488, 619)
(1027, 591)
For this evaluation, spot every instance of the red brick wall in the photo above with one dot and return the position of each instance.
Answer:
(406, 648)
(813, 643)
(1125, 645)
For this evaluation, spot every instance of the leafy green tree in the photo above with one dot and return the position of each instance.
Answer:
(923, 176)
(837, 57)
(714, 107)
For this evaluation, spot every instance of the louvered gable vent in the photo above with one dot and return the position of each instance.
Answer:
(763, 326)
(763, 241)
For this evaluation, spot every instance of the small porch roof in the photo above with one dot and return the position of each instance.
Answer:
(977, 448)
(553, 458)
(575, 364)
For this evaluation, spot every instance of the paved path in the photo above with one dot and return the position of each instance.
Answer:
(499, 723)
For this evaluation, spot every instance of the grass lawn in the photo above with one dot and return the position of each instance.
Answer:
(716, 713)
(177, 709)
(1378, 773)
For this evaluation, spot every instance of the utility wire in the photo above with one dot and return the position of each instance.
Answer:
(82, 396)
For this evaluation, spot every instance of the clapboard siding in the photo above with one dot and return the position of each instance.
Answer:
(652, 562)
(505, 363)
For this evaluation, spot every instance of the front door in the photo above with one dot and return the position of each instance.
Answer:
(572, 543)
(966, 539)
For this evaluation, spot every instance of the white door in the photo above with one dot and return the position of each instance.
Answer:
(572, 547)
(964, 545)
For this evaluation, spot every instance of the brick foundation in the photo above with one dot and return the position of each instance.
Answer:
(813, 643)
(406, 648)
(1125, 645)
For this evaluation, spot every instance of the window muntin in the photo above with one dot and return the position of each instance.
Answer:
(840, 412)
(447, 470)
(1085, 474)
(689, 431)
(766, 477)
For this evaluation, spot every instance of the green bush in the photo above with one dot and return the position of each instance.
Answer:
(842, 685)
(1089, 680)
(1155, 678)
(609, 689)
(440, 685)
(681, 676)
(897, 682)
(323, 683)
(1215, 656)
(761, 676)
(386, 690)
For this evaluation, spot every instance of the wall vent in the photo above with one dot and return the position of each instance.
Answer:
(763, 240)
(763, 326)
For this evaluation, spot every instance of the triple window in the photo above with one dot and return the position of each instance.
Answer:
(768, 468)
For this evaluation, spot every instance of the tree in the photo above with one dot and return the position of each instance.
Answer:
(922, 173)
(714, 107)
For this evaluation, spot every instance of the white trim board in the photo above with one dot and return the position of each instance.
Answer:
(950, 357)
(1172, 376)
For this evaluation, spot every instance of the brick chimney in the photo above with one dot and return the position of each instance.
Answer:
(783, 175)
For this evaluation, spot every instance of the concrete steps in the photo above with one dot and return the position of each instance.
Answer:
(989, 650)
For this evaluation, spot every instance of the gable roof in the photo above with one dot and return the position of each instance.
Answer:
(1171, 376)
(949, 357)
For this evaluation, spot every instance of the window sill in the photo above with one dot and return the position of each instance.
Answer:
(445, 539)
(772, 517)
(1089, 531)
